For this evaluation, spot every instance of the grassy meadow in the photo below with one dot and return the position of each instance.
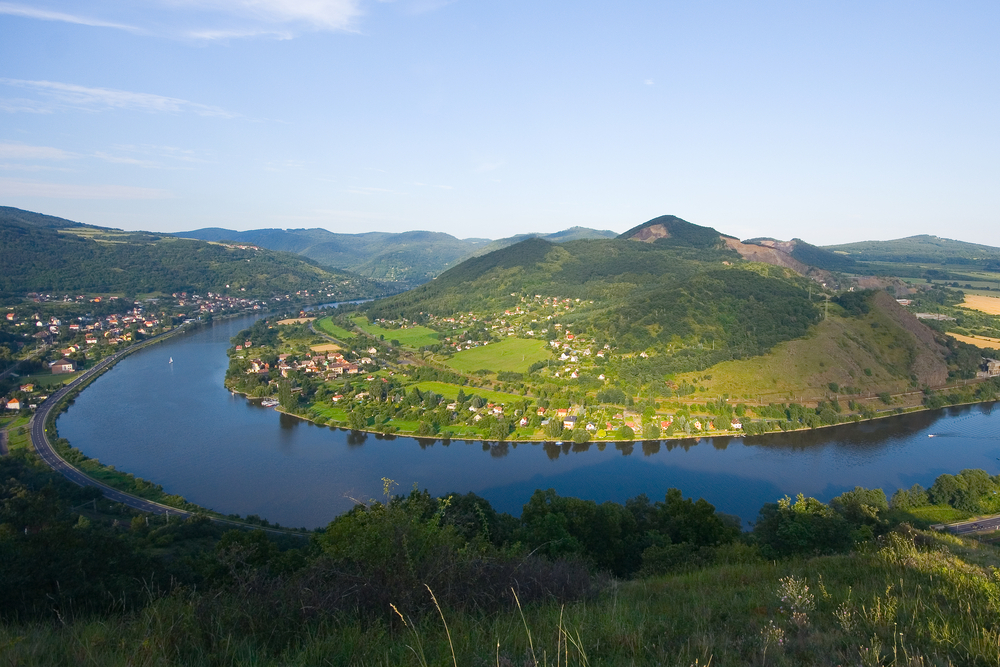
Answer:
(513, 354)
(412, 337)
(327, 326)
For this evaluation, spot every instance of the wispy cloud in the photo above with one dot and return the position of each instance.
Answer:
(20, 166)
(648, 82)
(10, 187)
(25, 152)
(12, 9)
(324, 15)
(68, 95)
(431, 185)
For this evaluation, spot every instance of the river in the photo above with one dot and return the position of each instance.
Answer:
(176, 425)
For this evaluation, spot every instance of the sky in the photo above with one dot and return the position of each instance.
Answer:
(827, 121)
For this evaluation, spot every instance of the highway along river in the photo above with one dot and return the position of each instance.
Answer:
(176, 425)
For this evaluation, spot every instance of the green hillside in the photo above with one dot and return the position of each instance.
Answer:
(45, 254)
(923, 248)
(692, 304)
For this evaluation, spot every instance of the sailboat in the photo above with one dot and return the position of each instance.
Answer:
(171, 360)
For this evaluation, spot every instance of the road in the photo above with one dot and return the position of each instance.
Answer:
(981, 525)
(43, 447)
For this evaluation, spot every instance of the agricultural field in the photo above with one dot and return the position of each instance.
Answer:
(986, 304)
(978, 341)
(412, 337)
(515, 355)
(327, 326)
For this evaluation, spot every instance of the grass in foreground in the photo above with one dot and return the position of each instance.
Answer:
(910, 599)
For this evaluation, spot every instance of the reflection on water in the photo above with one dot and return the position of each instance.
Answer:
(176, 425)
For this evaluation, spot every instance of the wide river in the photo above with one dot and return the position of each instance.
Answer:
(176, 425)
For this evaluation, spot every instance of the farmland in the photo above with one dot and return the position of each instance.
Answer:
(986, 304)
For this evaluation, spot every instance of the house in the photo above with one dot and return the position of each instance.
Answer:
(540, 411)
(992, 367)
(27, 387)
(61, 367)
(91, 339)
(569, 423)
(13, 404)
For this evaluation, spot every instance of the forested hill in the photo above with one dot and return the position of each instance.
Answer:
(923, 248)
(637, 296)
(42, 253)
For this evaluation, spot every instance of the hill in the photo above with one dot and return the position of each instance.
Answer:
(673, 307)
(407, 259)
(42, 253)
(923, 248)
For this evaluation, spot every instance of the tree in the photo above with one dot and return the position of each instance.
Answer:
(805, 527)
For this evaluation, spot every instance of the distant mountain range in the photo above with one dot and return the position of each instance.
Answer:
(405, 259)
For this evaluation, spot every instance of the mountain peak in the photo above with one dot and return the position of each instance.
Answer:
(674, 231)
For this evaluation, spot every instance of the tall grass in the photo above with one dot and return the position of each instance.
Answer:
(912, 598)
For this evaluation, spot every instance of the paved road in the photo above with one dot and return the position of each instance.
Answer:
(44, 449)
(982, 525)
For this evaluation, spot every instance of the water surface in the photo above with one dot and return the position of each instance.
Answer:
(176, 425)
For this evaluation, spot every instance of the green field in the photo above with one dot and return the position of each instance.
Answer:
(327, 326)
(450, 391)
(412, 337)
(514, 354)
(47, 380)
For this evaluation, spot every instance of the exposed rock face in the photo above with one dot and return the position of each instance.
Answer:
(928, 364)
(766, 254)
(651, 233)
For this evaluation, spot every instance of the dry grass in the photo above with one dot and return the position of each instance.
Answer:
(296, 320)
(986, 304)
(328, 347)
(978, 341)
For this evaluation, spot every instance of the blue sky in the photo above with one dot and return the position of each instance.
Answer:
(831, 122)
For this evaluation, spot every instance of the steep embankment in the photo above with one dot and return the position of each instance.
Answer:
(883, 349)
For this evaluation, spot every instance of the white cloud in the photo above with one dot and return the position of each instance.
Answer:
(24, 152)
(431, 185)
(10, 187)
(648, 82)
(12, 9)
(68, 95)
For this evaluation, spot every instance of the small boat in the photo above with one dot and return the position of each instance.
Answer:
(171, 360)
(269, 402)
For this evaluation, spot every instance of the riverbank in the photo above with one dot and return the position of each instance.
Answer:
(119, 486)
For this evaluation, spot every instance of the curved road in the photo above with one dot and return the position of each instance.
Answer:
(44, 449)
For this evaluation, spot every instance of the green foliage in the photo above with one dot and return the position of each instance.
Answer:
(803, 527)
